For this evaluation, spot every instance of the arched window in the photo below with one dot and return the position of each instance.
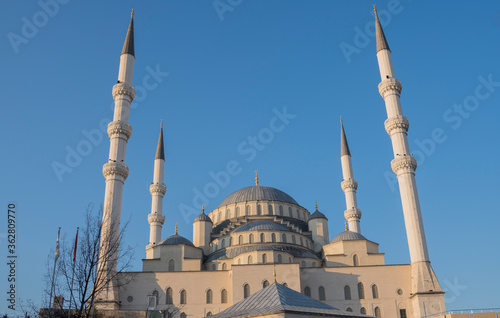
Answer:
(209, 314)
(355, 260)
(363, 310)
(303, 264)
(313, 264)
(283, 238)
(270, 209)
(223, 244)
(183, 297)
(246, 291)
(171, 265)
(250, 239)
(183, 315)
(377, 312)
(227, 214)
(259, 209)
(214, 267)
(248, 210)
(265, 284)
(375, 292)
(321, 292)
(361, 290)
(220, 216)
(264, 258)
(209, 296)
(250, 259)
(307, 291)
(301, 241)
(281, 210)
(240, 239)
(262, 238)
(155, 294)
(273, 238)
(290, 260)
(347, 292)
(349, 309)
(294, 241)
(239, 260)
(285, 284)
(238, 211)
(280, 259)
(290, 212)
(168, 299)
(224, 266)
(223, 296)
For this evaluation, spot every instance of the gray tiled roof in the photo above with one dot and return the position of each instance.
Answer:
(203, 217)
(344, 147)
(160, 152)
(128, 46)
(278, 298)
(255, 193)
(348, 236)
(261, 225)
(317, 215)
(176, 240)
(379, 34)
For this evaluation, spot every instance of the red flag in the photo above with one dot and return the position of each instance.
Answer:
(76, 243)
(57, 244)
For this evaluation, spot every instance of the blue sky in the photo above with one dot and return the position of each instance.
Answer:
(219, 78)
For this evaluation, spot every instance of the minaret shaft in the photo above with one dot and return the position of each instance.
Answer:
(157, 190)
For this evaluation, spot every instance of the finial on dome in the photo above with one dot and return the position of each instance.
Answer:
(346, 227)
(316, 205)
(274, 272)
(203, 208)
(257, 177)
(132, 14)
(375, 9)
(161, 124)
(176, 224)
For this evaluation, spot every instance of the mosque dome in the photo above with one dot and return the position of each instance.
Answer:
(348, 236)
(176, 240)
(203, 217)
(258, 193)
(261, 225)
(317, 215)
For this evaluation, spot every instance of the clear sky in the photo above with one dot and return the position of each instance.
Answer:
(218, 78)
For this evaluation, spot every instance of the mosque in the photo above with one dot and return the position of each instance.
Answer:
(262, 254)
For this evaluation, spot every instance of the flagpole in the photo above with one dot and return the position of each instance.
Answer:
(56, 256)
(73, 275)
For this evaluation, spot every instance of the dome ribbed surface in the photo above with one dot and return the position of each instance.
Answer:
(258, 193)
(203, 217)
(348, 236)
(261, 225)
(176, 240)
(317, 215)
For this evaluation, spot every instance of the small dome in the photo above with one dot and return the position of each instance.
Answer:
(261, 225)
(176, 240)
(260, 193)
(203, 217)
(317, 215)
(348, 236)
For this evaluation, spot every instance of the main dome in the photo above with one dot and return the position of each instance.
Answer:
(255, 193)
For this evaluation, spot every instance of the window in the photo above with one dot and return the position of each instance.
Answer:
(280, 259)
(250, 239)
(321, 292)
(224, 266)
(169, 299)
(363, 310)
(347, 292)
(270, 209)
(250, 259)
(262, 238)
(209, 296)
(265, 284)
(223, 244)
(155, 295)
(246, 291)
(285, 284)
(223, 296)
(238, 211)
(240, 239)
(209, 313)
(307, 291)
(283, 238)
(214, 267)
(183, 297)
(301, 241)
(281, 210)
(355, 260)
(183, 315)
(264, 258)
(361, 291)
(290, 212)
(273, 238)
(171, 265)
(313, 264)
(349, 309)
(290, 260)
(248, 210)
(375, 292)
(227, 214)
(259, 209)
(294, 241)
(303, 264)
(402, 313)
(377, 312)
(239, 260)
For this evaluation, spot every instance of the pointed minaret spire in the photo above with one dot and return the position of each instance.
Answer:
(128, 46)
(257, 177)
(379, 34)
(352, 214)
(160, 152)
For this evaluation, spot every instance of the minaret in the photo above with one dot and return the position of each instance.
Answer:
(116, 171)
(427, 295)
(352, 214)
(157, 190)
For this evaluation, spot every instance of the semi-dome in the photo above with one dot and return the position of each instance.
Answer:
(260, 193)
(261, 225)
(176, 240)
(348, 236)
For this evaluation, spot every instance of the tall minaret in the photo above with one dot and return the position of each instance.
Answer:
(115, 171)
(427, 295)
(352, 214)
(157, 190)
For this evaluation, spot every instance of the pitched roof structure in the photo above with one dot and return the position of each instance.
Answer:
(160, 150)
(344, 147)
(128, 46)
(277, 298)
(380, 36)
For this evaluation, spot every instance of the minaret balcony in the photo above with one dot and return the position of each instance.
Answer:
(352, 214)
(404, 164)
(118, 129)
(115, 168)
(396, 124)
(123, 89)
(390, 86)
(349, 184)
(155, 188)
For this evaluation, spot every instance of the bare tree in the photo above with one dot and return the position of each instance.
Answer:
(89, 278)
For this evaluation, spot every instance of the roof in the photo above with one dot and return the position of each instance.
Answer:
(380, 36)
(278, 298)
(176, 240)
(203, 217)
(261, 225)
(344, 147)
(260, 193)
(317, 215)
(128, 46)
(160, 150)
(348, 236)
